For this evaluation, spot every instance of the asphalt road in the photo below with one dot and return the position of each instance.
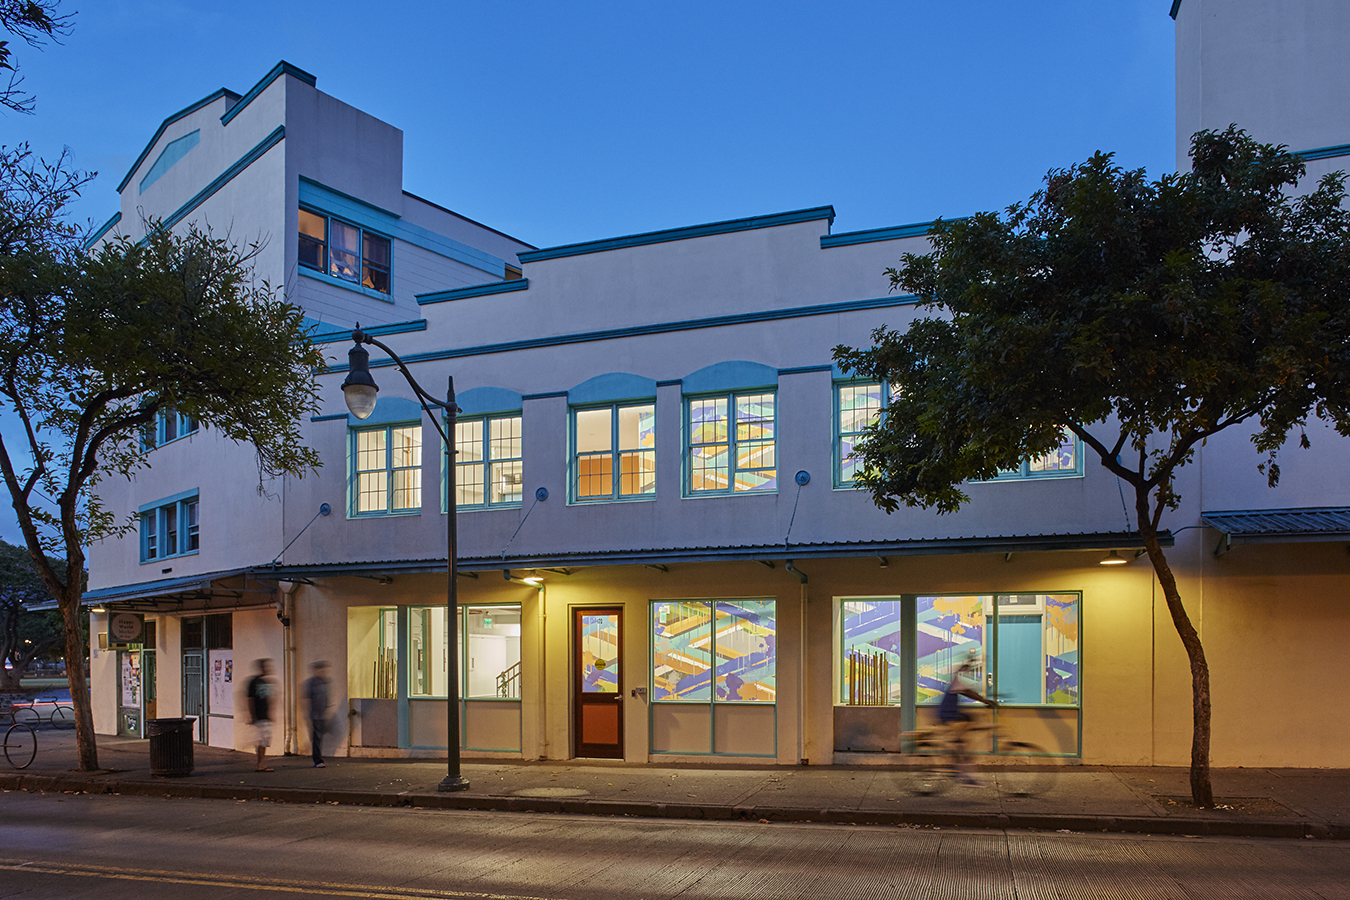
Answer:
(73, 846)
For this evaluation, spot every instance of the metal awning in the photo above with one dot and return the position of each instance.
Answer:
(1278, 526)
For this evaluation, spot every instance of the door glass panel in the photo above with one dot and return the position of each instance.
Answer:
(599, 653)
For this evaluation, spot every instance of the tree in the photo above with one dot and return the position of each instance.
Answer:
(25, 634)
(1144, 316)
(94, 347)
(36, 21)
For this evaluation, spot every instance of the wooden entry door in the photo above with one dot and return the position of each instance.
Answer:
(597, 683)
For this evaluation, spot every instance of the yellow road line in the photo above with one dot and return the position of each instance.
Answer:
(290, 886)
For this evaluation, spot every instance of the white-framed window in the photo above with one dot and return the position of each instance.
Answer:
(615, 452)
(168, 426)
(489, 652)
(386, 470)
(169, 527)
(732, 443)
(488, 461)
(345, 251)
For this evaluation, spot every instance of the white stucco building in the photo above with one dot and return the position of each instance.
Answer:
(661, 554)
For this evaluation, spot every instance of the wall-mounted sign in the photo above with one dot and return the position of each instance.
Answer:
(125, 628)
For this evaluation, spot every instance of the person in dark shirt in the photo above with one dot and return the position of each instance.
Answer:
(316, 698)
(260, 691)
(957, 720)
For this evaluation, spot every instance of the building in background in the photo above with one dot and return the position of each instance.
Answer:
(662, 556)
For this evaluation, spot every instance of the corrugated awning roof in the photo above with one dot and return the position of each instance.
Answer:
(1268, 526)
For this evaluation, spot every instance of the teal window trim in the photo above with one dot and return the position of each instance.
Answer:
(1035, 469)
(735, 444)
(841, 388)
(486, 462)
(367, 266)
(463, 635)
(389, 469)
(307, 272)
(173, 151)
(169, 527)
(617, 455)
(168, 427)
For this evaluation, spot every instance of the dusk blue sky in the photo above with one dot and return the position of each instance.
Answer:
(564, 122)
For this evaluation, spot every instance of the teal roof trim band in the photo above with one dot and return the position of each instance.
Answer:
(169, 157)
(333, 418)
(805, 370)
(1176, 5)
(642, 330)
(107, 226)
(281, 68)
(331, 337)
(1325, 152)
(680, 234)
(478, 290)
(204, 102)
(918, 229)
(327, 200)
(227, 176)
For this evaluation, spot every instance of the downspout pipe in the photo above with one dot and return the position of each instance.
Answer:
(795, 571)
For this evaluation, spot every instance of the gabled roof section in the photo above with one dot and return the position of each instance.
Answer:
(230, 97)
(1256, 526)
(680, 234)
(281, 68)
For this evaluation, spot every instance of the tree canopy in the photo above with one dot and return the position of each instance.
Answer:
(94, 346)
(1142, 315)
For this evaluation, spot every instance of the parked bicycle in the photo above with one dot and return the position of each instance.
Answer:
(39, 710)
(20, 745)
(1026, 769)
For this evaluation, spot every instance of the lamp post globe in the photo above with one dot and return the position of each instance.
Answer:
(359, 389)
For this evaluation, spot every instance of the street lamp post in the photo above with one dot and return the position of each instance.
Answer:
(359, 391)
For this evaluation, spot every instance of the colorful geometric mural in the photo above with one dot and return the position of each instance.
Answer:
(714, 650)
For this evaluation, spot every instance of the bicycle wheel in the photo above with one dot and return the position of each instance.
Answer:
(26, 715)
(63, 717)
(1033, 771)
(20, 746)
(934, 773)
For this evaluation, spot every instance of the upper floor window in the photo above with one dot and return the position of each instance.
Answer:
(732, 443)
(615, 452)
(856, 405)
(344, 250)
(386, 474)
(167, 426)
(169, 528)
(1064, 461)
(488, 461)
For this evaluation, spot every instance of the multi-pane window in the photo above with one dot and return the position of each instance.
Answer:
(167, 426)
(489, 652)
(857, 405)
(387, 469)
(714, 651)
(1063, 461)
(488, 462)
(1023, 647)
(732, 446)
(615, 452)
(170, 529)
(344, 250)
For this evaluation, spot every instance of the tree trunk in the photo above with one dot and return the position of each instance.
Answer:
(85, 747)
(1202, 791)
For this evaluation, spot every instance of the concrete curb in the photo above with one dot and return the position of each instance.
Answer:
(1263, 828)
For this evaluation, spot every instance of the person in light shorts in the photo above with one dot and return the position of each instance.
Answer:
(260, 691)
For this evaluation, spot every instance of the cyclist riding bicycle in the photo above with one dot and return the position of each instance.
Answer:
(956, 720)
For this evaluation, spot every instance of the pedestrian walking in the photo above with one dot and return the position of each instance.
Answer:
(260, 691)
(316, 698)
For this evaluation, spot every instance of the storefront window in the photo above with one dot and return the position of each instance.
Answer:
(1023, 647)
(714, 650)
(489, 652)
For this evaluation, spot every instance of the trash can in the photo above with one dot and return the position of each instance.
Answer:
(170, 746)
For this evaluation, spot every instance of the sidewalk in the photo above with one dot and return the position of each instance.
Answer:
(1251, 802)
